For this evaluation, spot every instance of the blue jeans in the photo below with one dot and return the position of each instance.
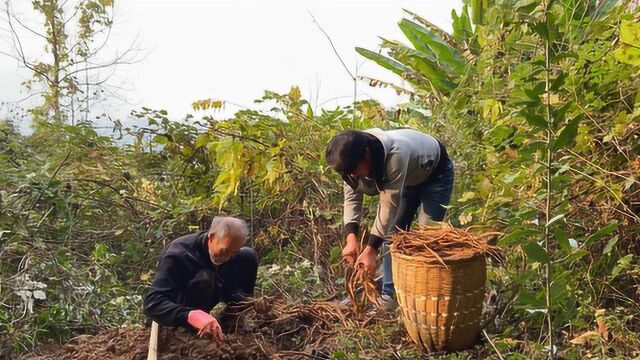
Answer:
(430, 196)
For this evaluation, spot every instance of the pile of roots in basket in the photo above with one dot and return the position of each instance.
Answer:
(444, 242)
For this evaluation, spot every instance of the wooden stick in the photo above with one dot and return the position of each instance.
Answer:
(153, 342)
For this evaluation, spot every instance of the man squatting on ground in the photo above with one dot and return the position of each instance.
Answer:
(198, 271)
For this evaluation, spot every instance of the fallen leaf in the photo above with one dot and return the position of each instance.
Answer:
(602, 325)
(585, 338)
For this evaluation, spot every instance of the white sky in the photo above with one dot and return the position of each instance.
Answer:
(233, 50)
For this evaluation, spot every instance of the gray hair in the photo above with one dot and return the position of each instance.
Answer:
(229, 226)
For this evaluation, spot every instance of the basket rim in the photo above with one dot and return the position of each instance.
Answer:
(432, 260)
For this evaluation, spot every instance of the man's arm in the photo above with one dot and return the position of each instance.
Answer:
(352, 210)
(160, 304)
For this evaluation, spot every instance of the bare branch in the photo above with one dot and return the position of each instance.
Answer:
(17, 44)
(65, 22)
(332, 46)
(28, 28)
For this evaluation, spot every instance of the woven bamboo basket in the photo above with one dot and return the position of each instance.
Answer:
(441, 307)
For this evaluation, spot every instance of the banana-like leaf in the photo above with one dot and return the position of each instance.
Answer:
(443, 51)
(387, 63)
(431, 71)
(397, 50)
(385, 84)
(423, 64)
(478, 9)
(418, 74)
(451, 40)
(462, 30)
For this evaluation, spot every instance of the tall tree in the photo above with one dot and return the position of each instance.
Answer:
(74, 35)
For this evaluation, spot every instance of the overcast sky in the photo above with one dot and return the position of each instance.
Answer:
(233, 50)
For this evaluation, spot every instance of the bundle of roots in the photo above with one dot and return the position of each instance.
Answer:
(361, 289)
(444, 242)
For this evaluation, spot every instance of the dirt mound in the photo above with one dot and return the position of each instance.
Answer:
(119, 343)
(303, 332)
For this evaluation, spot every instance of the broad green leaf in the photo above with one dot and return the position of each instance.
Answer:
(628, 55)
(564, 55)
(621, 265)
(534, 119)
(201, 140)
(519, 235)
(558, 81)
(576, 255)
(530, 299)
(563, 240)
(422, 51)
(630, 33)
(526, 6)
(559, 114)
(161, 139)
(387, 63)
(462, 29)
(541, 29)
(437, 77)
(340, 355)
(478, 9)
(535, 252)
(611, 227)
(443, 51)
(567, 134)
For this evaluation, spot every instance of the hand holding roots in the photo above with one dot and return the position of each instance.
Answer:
(360, 276)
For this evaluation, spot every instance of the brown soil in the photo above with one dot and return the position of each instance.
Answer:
(300, 333)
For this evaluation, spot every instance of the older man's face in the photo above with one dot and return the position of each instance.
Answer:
(221, 250)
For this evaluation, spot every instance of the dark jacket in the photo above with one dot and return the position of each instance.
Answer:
(179, 263)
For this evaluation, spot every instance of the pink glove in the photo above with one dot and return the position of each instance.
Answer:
(205, 323)
(198, 319)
